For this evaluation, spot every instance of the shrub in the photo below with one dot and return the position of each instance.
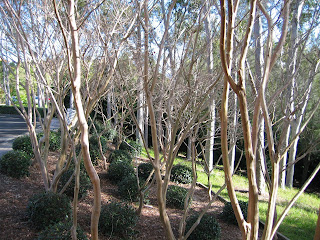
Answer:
(207, 229)
(128, 188)
(109, 132)
(119, 170)
(176, 196)
(15, 164)
(121, 156)
(133, 147)
(61, 231)
(23, 143)
(228, 213)
(144, 170)
(85, 183)
(54, 140)
(181, 174)
(48, 208)
(118, 219)
(94, 147)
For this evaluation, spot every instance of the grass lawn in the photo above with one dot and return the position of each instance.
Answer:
(300, 222)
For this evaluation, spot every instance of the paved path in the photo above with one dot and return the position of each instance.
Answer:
(12, 126)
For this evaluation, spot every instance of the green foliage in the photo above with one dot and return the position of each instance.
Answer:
(144, 170)
(94, 147)
(128, 188)
(13, 111)
(108, 132)
(133, 147)
(117, 219)
(176, 196)
(54, 140)
(15, 164)
(119, 170)
(23, 143)
(120, 156)
(207, 229)
(85, 183)
(61, 231)
(48, 208)
(228, 213)
(181, 174)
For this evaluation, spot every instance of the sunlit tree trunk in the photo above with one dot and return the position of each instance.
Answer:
(209, 146)
(261, 168)
(84, 139)
(291, 70)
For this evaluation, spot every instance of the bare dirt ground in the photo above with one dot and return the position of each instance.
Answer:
(14, 195)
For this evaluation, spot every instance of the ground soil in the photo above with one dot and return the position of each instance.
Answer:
(14, 195)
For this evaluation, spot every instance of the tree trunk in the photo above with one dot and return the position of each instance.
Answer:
(261, 168)
(291, 70)
(76, 85)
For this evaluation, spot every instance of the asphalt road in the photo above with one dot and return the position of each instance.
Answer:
(12, 126)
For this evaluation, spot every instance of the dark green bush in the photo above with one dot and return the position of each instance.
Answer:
(15, 164)
(23, 143)
(133, 147)
(117, 219)
(61, 231)
(48, 208)
(54, 140)
(181, 174)
(144, 170)
(94, 148)
(176, 196)
(85, 183)
(128, 188)
(207, 229)
(107, 130)
(228, 213)
(119, 170)
(120, 155)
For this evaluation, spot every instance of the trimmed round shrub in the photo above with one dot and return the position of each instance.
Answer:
(176, 196)
(228, 213)
(23, 143)
(144, 170)
(15, 164)
(85, 183)
(207, 229)
(128, 188)
(94, 148)
(181, 174)
(117, 219)
(119, 170)
(133, 147)
(61, 231)
(48, 208)
(120, 156)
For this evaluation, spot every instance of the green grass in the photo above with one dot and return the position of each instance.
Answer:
(300, 222)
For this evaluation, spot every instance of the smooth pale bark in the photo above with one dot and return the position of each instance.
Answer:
(233, 132)
(140, 93)
(291, 70)
(84, 139)
(211, 128)
(261, 168)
